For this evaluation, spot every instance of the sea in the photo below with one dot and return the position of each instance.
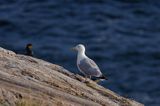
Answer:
(121, 36)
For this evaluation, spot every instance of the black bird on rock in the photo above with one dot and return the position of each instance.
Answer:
(28, 49)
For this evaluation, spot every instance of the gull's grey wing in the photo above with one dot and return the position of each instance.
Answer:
(89, 67)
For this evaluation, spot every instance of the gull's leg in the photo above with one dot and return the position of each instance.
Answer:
(84, 79)
(87, 78)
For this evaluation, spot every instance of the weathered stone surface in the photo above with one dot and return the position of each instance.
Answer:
(27, 81)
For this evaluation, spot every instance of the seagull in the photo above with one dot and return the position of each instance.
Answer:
(86, 65)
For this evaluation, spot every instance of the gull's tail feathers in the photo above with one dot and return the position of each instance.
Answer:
(103, 77)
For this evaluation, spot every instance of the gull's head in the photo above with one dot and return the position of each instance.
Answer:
(79, 48)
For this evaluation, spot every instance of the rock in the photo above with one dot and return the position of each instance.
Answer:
(27, 81)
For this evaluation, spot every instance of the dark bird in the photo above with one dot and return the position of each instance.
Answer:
(29, 51)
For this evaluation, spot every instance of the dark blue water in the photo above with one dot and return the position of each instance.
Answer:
(122, 36)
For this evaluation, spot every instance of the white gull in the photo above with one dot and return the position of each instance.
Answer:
(86, 65)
